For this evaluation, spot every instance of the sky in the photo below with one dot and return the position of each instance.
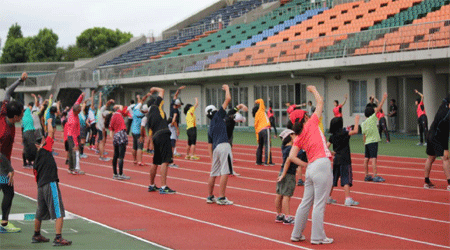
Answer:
(68, 18)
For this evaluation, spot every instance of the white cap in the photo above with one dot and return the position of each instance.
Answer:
(238, 117)
(210, 109)
(286, 133)
(144, 108)
(178, 102)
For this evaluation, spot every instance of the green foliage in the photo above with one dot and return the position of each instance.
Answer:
(15, 51)
(98, 40)
(42, 47)
(15, 31)
(73, 53)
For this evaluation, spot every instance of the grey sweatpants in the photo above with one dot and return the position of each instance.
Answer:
(319, 179)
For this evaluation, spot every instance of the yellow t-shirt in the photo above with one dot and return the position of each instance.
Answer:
(321, 124)
(190, 118)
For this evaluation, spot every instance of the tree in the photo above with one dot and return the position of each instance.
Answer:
(15, 31)
(15, 49)
(42, 47)
(98, 40)
(73, 53)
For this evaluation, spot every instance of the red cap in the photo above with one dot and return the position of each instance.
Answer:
(48, 144)
(297, 114)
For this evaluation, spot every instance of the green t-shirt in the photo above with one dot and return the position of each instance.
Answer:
(370, 129)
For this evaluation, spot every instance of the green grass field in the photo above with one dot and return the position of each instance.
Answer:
(83, 233)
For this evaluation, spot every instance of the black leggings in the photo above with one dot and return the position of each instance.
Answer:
(119, 153)
(423, 127)
(93, 134)
(273, 125)
(264, 142)
(8, 195)
(383, 127)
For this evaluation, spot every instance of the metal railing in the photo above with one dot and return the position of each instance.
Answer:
(378, 41)
(35, 67)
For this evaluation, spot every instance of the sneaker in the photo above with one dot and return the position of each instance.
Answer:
(211, 199)
(166, 190)
(302, 238)
(78, 172)
(235, 174)
(300, 182)
(39, 239)
(104, 158)
(116, 177)
(259, 164)
(28, 166)
(55, 153)
(324, 241)
(419, 144)
(269, 164)
(368, 178)
(428, 186)
(279, 218)
(289, 220)
(425, 144)
(141, 164)
(448, 188)
(331, 200)
(153, 188)
(10, 228)
(83, 156)
(177, 155)
(62, 242)
(195, 158)
(351, 202)
(223, 201)
(173, 165)
(123, 177)
(187, 157)
(105, 153)
(378, 179)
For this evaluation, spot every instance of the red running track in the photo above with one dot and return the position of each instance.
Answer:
(398, 214)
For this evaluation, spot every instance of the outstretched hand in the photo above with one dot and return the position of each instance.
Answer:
(311, 88)
(24, 76)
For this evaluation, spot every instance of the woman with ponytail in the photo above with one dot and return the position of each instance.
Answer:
(437, 142)
(318, 178)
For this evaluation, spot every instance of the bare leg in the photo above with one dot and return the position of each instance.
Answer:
(163, 173)
(278, 203)
(446, 166)
(37, 225)
(134, 153)
(428, 165)
(192, 150)
(374, 166)
(346, 191)
(58, 225)
(188, 149)
(286, 205)
(211, 183)
(366, 166)
(223, 185)
(153, 169)
(139, 155)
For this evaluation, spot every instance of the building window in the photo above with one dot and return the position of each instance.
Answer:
(216, 97)
(358, 90)
(378, 94)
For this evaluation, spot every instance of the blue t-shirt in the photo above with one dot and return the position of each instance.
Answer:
(50, 115)
(82, 119)
(217, 132)
(137, 119)
(27, 120)
(292, 167)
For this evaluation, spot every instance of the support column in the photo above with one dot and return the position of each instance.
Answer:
(433, 93)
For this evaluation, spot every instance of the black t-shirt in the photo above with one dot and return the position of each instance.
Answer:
(174, 111)
(46, 168)
(230, 123)
(217, 132)
(341, 145)
(393, 108)
(155, 121)
(292, 167)
(439, 130)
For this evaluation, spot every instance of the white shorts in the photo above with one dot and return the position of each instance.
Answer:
(222, 162)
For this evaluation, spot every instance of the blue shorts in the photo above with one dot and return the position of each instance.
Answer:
(344, 172)
(371, 150)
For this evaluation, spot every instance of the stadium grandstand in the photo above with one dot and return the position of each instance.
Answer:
(273, 50)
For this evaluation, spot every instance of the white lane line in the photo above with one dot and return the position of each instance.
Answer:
(98, 223)
(173, 214)
(246, 207)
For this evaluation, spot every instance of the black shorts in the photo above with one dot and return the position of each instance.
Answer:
(66, 145)
(434, 148)
(163, 148)
(343, 171)
(173, 143)
(192, 136)
(372, 150)
(100, 135)
(136, 143)
(83, 132)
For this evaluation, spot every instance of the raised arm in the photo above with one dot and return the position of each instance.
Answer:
(196, 103)
(99, 100)
(80, 99)
(319, 101)
(421, 95)
(144, 98)
(36, 101)
(159, 90)
(9, 91)
(178, 92)
(242, 107)
(345, 100)
(355, 129)
(92, 103)
(227, 101)
(379, 107)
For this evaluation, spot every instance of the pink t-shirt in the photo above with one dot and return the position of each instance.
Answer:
(337, 111)
(380, 115)
(313, 141)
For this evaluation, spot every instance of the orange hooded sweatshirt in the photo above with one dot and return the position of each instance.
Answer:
(261, 119)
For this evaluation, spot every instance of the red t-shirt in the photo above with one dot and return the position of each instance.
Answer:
(72, 127)
(313, 141)
(380, 115)
(117, 123)
(7, 133)
(420, 112)
(337, 111)
(269, 113)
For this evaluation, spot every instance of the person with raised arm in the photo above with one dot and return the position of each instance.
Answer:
(271, 117)
(11, 112)
(422, 119)
(191, 130)
(71, 134)
(175, 105)
(262, 130)
(162, 145)
(337, 110)
(38, 105)
(118, 131)
(139, 112)
(92, 121)
(28, 137)
(102, 112)
(219, 149)
(319, 178)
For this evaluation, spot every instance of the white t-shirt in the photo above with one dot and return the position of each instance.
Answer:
(144, 121)
(101, 119)
(130, 110)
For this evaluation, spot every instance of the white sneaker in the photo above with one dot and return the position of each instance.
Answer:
(331, 201)
(123, 177)
(223, 201)
(83, 156)
(294, 239)
(324, 241)
(173, 165)
(351, 202)
(448, 188)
